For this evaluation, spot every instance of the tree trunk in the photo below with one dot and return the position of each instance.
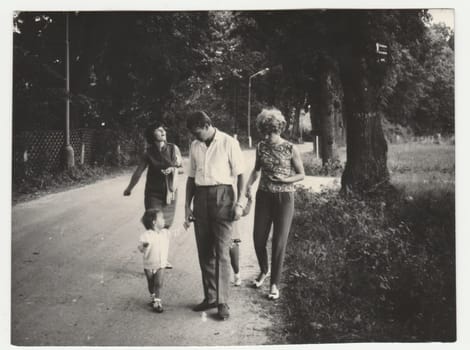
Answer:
(326, 111)
(366, 166)
(295, 135)
(326, 117)
(314, 118)
(286, 111)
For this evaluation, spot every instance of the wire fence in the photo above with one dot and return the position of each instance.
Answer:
(37, 152)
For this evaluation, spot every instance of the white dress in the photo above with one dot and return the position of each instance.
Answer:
(156, 253)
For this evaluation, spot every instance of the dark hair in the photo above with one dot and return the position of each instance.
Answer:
(198, 119)
(149, 132)
(149, 217)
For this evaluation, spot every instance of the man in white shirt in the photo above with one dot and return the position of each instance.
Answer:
(216, 162)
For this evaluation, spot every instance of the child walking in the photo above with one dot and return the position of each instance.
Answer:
(154, 243)
(235, 246)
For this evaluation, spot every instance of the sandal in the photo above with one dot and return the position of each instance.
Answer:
(258, 282)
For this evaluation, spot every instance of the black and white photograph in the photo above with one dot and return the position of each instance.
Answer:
(233, 175)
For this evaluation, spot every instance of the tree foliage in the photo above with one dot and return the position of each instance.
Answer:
(126, 68)
(419, 91)
(129, 68)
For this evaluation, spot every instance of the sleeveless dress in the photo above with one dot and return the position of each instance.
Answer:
(158, 193)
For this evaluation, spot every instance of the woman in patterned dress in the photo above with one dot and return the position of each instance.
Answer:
(279, 163)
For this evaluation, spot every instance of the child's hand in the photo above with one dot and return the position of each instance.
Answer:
(142, 246)
(238, 212)
(249, 193)
(186, 225)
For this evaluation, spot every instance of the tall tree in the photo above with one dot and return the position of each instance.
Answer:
(435, 111)
(38, 71)
(297, 42)
(329, 113)
(363, 75)
(127, 68)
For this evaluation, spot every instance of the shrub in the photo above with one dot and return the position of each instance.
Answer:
(370, 270)
(314, 167)
(25, 188)
(105, 150)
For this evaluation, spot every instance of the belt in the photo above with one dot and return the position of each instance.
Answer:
(213, 186)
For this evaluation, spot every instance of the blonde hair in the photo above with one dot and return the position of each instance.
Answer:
(270, 120)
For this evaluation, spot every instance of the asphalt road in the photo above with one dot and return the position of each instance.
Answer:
(77, 275)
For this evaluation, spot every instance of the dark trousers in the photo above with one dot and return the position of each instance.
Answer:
(275, 209)
(213, 211)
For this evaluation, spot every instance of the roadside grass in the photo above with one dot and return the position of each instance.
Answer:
(33, 186)
(412, 162)
(417, 168)
(378, 270)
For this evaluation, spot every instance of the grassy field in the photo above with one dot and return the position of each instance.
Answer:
(422, 167)
(413, 166)
(376, 270)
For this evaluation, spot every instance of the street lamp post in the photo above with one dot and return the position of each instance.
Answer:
(261, 72)
(68, 150)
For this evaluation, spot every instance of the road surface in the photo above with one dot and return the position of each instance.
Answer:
(77, 275)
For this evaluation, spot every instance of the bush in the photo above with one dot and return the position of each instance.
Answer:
(314, 167)
(107, 153)
(396, 133)
(378, 270)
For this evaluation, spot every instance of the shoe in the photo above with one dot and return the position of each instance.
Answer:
(274, 293)
(223, 311)
(258, 282)
(168, 265)
(157, 306)
(237, 280)
(205, 305)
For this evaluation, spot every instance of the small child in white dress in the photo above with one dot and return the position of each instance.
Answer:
(154, 244)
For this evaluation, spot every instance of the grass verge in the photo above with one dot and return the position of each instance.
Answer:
(381, 270)
(24, 189)
(371, 271)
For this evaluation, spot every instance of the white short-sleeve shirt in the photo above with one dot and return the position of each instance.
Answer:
(217, 164)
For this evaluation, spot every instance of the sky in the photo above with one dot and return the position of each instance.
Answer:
(443, 15)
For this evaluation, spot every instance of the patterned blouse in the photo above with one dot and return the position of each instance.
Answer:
(275, 161)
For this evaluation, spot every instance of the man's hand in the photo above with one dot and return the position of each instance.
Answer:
(188, 215)
(127, 192)
(189, 218)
